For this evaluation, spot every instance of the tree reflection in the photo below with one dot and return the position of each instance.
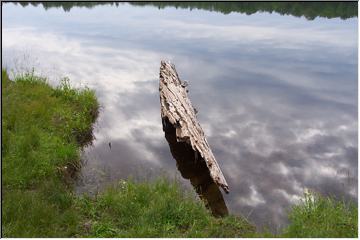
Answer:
(309, 10)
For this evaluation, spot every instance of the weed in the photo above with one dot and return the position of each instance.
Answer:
(319, 216)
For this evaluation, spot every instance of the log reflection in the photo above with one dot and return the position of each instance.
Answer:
(192, 166)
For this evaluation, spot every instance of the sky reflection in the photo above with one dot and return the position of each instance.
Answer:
(277, 95)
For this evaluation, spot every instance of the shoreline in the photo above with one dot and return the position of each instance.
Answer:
(44, 129)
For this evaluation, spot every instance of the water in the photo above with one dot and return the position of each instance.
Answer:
(276, 94)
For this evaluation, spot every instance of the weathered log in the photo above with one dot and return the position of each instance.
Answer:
(187, 141)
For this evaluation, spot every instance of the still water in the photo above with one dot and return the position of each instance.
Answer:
(276, 94)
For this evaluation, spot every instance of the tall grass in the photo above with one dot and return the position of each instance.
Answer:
(156, 209)
(319, 216)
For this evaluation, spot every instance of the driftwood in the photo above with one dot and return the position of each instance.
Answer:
(187, 141)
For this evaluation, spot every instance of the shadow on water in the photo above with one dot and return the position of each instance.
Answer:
(309, 10)
(193, 167)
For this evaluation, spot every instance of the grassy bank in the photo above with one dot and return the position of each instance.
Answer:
(43, 130)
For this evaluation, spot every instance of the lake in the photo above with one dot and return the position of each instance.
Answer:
(275, 86)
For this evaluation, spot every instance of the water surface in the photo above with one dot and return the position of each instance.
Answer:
(276, 94)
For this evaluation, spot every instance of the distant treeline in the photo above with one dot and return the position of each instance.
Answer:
(310, 10)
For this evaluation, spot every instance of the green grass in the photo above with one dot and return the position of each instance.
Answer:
(158, 209)
(319, 216)
(43, 130)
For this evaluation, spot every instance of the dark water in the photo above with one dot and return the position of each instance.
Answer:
(276, 91)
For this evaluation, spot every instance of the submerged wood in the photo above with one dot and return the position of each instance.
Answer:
(187, 141)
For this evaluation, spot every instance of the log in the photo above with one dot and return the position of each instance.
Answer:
(187, 141)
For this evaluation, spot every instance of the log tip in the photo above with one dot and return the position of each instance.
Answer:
(165, 62)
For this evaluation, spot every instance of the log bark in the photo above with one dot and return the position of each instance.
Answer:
(187, 141)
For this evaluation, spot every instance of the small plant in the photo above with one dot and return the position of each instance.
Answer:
(319, 216)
